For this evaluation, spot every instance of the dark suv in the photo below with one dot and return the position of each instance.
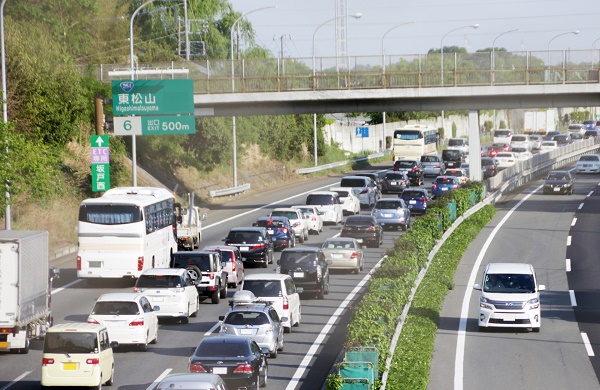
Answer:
(206, 270)
(308, 268)
(414, 170)
(452, 158)
(365, 229)
(254, 243)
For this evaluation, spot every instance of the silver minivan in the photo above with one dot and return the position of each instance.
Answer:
(433, 165)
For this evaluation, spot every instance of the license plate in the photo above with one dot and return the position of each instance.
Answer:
(444, 189)
(3, 344)
(219, 370)
(337, 256)
(246, 331)
(298, 274)
(556, 189)
(270, 231)
(360, 240)
(244, 248)
(509, 318)
(95, 264)
(387, 215)
(412, 202)
(393, 183)
(69, 366)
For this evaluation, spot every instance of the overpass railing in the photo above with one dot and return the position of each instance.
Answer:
(377, 72)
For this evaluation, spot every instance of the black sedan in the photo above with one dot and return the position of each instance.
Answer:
(280, 230)
(559, 182)
(254, 243)
(364, 228)
(238, 360)
(394, 182)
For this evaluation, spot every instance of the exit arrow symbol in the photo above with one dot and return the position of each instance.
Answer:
(99, 142)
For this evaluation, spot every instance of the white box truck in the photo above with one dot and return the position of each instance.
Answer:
(539, 122)
(25, 288)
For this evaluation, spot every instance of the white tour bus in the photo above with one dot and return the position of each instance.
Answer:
(126, 231)
(413, 141)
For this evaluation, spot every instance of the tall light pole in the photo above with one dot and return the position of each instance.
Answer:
(383, 68)
(4, 112)
(355, 16)
(442, 58)
(556, 36)
(233, 91)
(493, 63)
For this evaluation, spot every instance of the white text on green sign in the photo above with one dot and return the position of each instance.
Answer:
(100, 177)
(154, 125)
(152, 97)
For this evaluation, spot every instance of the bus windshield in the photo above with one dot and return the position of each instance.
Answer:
(110, 214)
(408, 135)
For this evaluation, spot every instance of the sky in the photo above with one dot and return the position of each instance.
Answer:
(539, 22)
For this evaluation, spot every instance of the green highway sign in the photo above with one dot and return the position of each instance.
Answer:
(100, 177)
(152, 97)
(154, 125)
(99, 141)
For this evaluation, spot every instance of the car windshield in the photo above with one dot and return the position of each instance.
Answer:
(298, 259)
(343, 194)
(115, 308)
(388, 204)
(589, 158)
(287, 214)
(404, 164)
(548, 144)
(456, 142)
(237, 237)
(394, 176)
(455, 173)
(158, 281)
(346, 182)
(263, 288)
(498, 146)
(358, 222)
(338, 244)
(412, 194)
(230, 348)
(200, 260)
(505, 155)
(307, 210)
(319, 199)
(429, 159)
(444, 180)
(557, 176)
(270, 223)
(451, 154)
(251, 318)
(576, 135)
(502, 133)
(509, 283)
(519, 150)
(71, 342)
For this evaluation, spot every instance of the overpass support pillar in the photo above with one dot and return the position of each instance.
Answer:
(474, 146)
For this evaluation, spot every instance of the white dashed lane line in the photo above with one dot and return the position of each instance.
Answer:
(568, 240)
(568, 265)
(572, 296)
(588, 345)
(574, 221)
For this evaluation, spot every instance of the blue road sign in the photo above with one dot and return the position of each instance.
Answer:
(362, 132)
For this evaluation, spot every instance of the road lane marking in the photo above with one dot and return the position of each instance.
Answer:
(588, 345)
(312, 351)
(160, 378)
(57, 290)
(464, 313)
(580, 206)
(568, 240)
(574, 221)
(568, 265)
(572, 296)
(17, 379)
(215, 326)
(590, 194)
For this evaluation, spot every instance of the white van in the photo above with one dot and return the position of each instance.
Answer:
(521, 141)
(329, 205)
(78, 354)
(503, 136)
(510, 297)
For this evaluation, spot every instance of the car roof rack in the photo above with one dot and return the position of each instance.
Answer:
(245, 297)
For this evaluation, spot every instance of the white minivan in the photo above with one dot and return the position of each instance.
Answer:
(510, 297)
(329, 205)
(520, 141)
(77, 354)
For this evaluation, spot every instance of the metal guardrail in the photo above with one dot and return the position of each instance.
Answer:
(302, 171)
(229, 191)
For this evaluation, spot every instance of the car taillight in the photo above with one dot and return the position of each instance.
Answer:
(434, 186)
(364, 191)
(211, 276)
(78, 263)
(195, 367)
(371, 228)
(138, 322)
(136, 289)
(384, 181)
(92, 321)
(297, 224)
(286, 303)
(422, 200)
(285, 230)
(437, 166)
(47, 361)
(243, 369)
(455, 186)
(140, 263)
(269, 329)
(258, 246)
(354, 255)
(346, 227)
(396, 169)
(319, 274)
(94, 361)
(314, 219)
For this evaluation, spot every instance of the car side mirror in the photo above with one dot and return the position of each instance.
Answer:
(156, 308)
(542, 287)
(329, 262)
(192, 350)
(254, 224)
(223, 264)
(264, 351)
(278, 262)
(477, 286)
(299, 290)
(204, 216)
(221, 318)
(283, 319)
(114, 344)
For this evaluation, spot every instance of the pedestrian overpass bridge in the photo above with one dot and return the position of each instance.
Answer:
(421, 82)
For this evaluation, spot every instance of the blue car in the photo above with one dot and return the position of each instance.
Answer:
(416, 200)
(280, 231)
(443, 184)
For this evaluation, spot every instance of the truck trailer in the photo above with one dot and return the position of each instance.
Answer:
(25, 287)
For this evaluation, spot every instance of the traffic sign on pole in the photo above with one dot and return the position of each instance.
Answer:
(100, 163)
(152, 97)
(154, 125)
(362, 132)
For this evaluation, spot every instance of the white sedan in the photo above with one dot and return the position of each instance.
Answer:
(548, 146)
(505, 160)
(588, 163)
(521, 153)
(350, 202)
(128, 317)
(315, 222)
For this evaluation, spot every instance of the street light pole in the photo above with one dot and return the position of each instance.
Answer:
(383, 71)
(442, 58)
(355, 16)
(233, 91)
(556, 36)
(493, 64)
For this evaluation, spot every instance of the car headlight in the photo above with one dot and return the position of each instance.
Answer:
(485, 303)
(533, 303)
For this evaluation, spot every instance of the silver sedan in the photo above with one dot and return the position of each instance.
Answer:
(345, 253)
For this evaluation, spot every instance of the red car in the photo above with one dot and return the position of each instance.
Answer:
(496, 148)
